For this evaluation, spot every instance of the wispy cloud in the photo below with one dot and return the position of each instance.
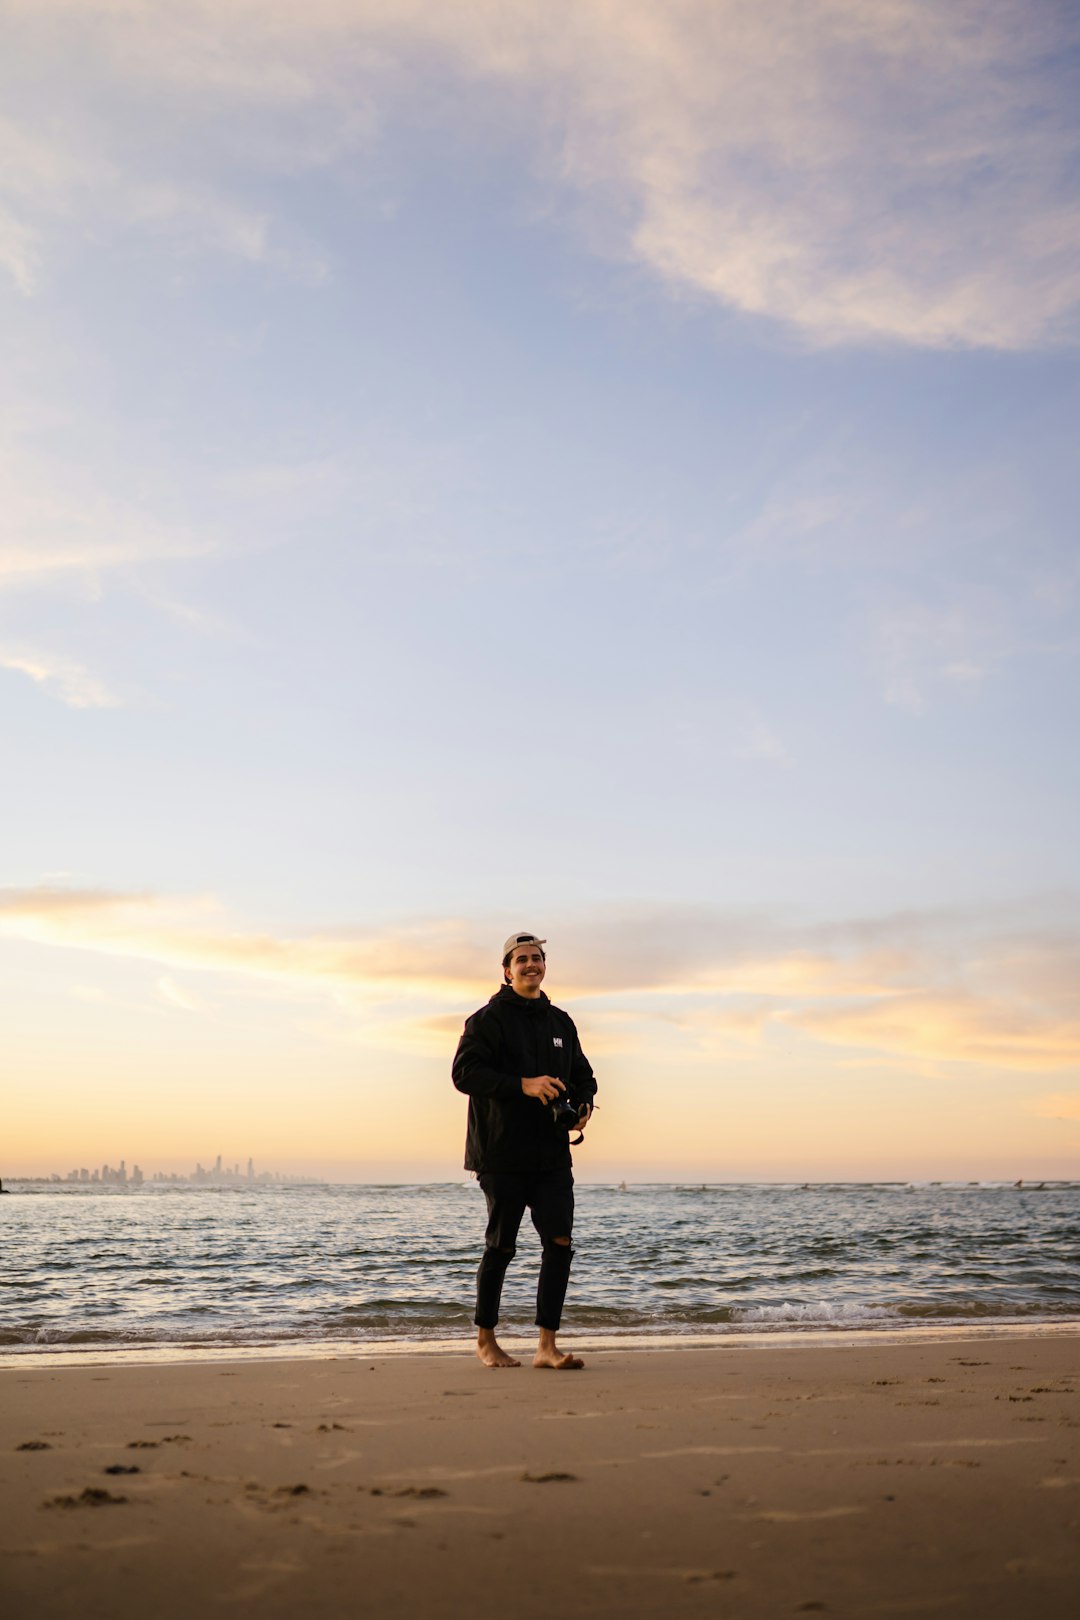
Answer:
(18, 251)
(67, 680)
(842, 166)
(435, 957)
(955, 1027)
(38, 174)
(63, 166)
(176, 996)
(861, 170)
(921, 649)
(59, 521)
(972, 989)
(1064, 1105)
(759, 741)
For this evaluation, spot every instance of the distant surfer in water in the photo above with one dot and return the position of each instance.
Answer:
(520, 1063)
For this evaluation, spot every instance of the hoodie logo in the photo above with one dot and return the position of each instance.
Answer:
(557, 1039)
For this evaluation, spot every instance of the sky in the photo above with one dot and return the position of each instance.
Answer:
(608, 471)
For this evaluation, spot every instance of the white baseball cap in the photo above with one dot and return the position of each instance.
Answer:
(515, 940)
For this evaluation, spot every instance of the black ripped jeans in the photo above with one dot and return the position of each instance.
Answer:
(548, 1195)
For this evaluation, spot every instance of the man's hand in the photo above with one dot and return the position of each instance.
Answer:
(584, 1117)
(543, 1086)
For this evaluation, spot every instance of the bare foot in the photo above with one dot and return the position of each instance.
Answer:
(491, 1352)
(560, 1361)
(548, 1354)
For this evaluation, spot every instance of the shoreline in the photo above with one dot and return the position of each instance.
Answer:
(778, 1338)
(852, 1477)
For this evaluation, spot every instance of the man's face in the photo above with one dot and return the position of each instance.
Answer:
(525, 973)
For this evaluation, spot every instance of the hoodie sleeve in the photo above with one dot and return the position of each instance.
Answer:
(582, 1080)
(477, 1068)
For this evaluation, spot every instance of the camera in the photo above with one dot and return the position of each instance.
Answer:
(565, 1113)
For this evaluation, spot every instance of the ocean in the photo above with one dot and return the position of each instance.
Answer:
(318, 1269)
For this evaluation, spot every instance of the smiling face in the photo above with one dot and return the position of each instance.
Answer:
(525, 970)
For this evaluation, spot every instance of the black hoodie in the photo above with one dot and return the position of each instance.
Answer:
(514, 1038)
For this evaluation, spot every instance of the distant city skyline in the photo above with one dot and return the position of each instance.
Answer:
(218, 1175)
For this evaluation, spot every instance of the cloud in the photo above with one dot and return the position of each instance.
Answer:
(847, 167)
(759, 741)
(920, 648)
(67, 680)
(860, 170)
(66, 166)
(956, 1027)
(18, 251)
(436, 957)
(1063, 1105)
(35, 169)
(52, 901)
(59, 521)
(737, 726)
(171, 992)
(816, 514)
(201, 218)
(979, 989)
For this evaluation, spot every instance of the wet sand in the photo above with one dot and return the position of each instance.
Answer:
(846, 1479)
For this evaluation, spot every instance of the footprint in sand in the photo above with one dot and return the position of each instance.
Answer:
(637, 1572)
(791, 1516)
(34, 1445)
(92, 1496)
(406, 1490)
(263, 1576)
(546, 1479)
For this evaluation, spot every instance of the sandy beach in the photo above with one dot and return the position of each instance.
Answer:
(846, 1478)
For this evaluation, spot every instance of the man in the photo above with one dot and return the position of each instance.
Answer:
(517, 1057)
